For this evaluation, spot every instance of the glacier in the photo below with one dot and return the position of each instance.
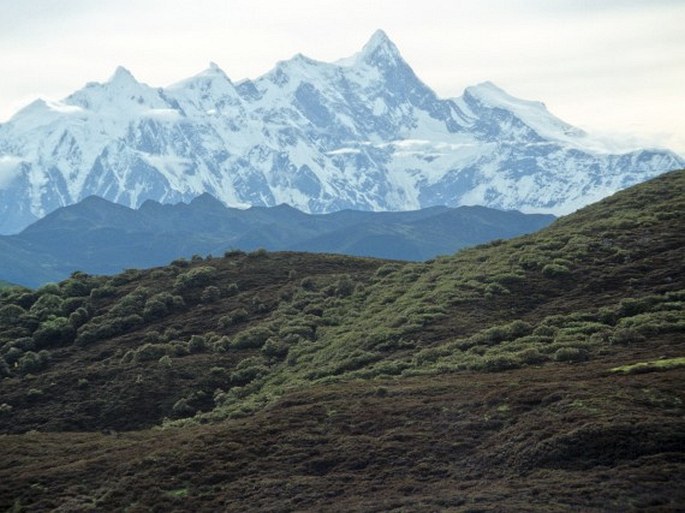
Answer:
(360, 133)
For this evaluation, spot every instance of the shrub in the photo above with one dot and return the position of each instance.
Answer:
(303, 330)
(54, 331)
(248, 370)
(107, 328)
(154, 309)
(210, 294)
(102, 292)
(182, 408)
(531, 356)
(197, 344)
(197, 277)
(275, 348)
(165, 361)
(32, 362)
(221, 345)
(10, 314)
(496, 289)
(308, 283)
(626, 336)
(71, 307)
(500, 362)
(130, 304)
(233, 253)
(49, 288)
(178, 348)
(386, 269)
(570, 354)
(231, 289)
(4, 368)
(251, 338)
(13, 355)
(149, 352)
(236, 316)
(48, 304)
(344, 287)
(75, 288)
(555, 271)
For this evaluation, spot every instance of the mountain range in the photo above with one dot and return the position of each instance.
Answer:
(101, 237)
(361, 133)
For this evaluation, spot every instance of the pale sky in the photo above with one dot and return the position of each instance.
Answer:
(615, 68)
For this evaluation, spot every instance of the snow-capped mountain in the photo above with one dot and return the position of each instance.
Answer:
(362, 133)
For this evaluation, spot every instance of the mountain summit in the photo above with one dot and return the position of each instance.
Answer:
(363, 133)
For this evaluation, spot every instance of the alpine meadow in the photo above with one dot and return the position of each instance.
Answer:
(544, 373)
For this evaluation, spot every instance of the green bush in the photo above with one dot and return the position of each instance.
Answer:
(555, 271)
(11, 314)
(154, 309)
(76, 287)
(177, 348)
(275, 348)
(386, 269)
(231, 289)
(248, 370)
(626, 336)
(221, 345)
(149, 352)
(72, 304)
(210, 294)
(130, 304)
(570, 354)
(251, 338)
(53, 332)
(182, 408)
(500, 362)
(13, 354)
(32, 362)
(196, 277)
(197, 344)
(531, 356)
(106, 328)
(48, 304)
(102, 292)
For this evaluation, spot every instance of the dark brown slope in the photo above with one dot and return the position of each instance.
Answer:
(499, 379)
(556, 438)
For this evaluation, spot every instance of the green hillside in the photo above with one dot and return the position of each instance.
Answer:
(6, 285)
(542, 373)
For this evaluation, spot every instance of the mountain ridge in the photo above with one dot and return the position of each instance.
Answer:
(363, 133)
(101, 237)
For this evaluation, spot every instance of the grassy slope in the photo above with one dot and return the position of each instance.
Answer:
(477, 382)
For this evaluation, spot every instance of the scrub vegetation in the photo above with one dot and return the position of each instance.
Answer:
(542, 373)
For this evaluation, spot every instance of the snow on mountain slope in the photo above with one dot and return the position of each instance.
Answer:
(363, 133)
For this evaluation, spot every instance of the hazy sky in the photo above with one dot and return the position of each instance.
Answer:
(612, 67)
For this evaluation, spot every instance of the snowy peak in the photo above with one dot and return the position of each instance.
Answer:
(533, 114)
(363, 133)
(122, 78)
(494, 96)
(379, 50)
